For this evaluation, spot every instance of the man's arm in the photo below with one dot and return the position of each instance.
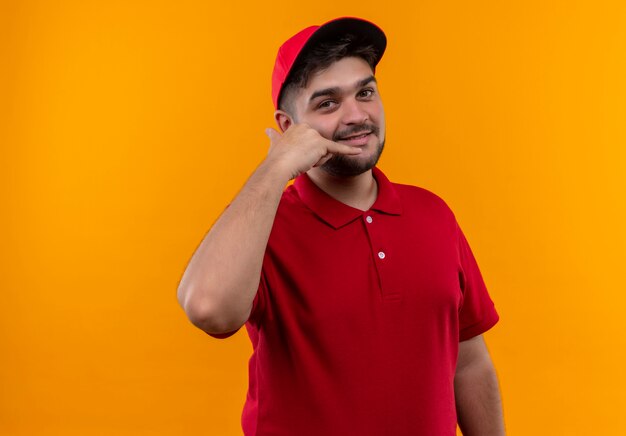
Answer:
(478, 404)
(221, 280)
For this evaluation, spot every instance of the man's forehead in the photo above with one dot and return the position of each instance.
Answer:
(344, 75)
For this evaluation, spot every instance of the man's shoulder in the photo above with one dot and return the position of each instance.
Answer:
(290, 195)
(290, 201)
(417, 196)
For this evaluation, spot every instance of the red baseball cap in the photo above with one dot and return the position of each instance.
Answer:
(294, 47)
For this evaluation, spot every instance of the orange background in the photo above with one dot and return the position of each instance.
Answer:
(126, 127)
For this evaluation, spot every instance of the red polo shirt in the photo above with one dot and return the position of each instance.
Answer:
(358, 317)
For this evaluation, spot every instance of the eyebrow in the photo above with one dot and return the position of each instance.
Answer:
(336, 90)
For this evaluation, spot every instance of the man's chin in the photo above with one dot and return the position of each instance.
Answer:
(350, 166)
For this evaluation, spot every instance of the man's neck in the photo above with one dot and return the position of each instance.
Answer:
(359, 191)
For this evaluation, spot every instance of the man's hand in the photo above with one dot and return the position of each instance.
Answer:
(301, 148)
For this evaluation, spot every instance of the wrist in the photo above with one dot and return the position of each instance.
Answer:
(277, 170)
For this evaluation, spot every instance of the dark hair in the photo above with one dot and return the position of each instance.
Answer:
(321, 57)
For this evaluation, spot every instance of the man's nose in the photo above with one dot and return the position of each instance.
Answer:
(354, 112)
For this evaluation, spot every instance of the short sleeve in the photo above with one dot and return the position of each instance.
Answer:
(477, 313)
(258, 306)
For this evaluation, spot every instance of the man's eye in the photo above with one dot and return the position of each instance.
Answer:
(326, 104)
(366, 93)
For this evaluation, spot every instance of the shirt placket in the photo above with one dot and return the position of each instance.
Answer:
(382, 253)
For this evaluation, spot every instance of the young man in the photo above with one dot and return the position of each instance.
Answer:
(361, 297)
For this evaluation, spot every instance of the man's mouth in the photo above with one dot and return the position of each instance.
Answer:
(356, 136)
(360, 138)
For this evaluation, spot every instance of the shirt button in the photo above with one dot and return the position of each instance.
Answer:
(381, 254)
(369, 219)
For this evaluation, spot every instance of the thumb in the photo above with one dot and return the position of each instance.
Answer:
(272, 134)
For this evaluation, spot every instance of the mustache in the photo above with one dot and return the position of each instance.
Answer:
(357, 128)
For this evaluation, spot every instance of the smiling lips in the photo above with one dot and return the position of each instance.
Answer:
(357, 139)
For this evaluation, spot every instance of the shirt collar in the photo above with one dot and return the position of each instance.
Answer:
(338, 214)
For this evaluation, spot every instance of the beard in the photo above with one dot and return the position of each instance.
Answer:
(348, 166)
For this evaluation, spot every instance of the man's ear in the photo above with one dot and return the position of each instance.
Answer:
(283, 120)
